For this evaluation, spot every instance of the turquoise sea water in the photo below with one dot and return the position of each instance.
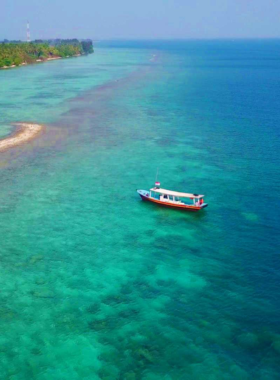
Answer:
(95, 283)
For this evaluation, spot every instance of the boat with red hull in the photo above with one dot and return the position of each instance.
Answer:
(174, 199)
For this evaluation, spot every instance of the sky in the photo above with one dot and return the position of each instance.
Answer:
(140, 19)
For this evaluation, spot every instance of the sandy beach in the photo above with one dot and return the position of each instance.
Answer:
(40, 61)
(25, 132)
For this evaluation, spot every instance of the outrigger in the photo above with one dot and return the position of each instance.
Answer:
(174, 199)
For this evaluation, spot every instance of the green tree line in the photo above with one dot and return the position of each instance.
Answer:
(16, 53)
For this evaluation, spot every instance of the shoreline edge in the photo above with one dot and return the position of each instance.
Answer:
(24, 133)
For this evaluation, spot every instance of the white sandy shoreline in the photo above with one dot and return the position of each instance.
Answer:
(40, 61)
(25, 132)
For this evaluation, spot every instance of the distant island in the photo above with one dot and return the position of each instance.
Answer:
(17, 53)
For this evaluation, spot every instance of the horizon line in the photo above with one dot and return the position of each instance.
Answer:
(99, 39)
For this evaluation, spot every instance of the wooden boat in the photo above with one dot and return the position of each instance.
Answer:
(168, 198)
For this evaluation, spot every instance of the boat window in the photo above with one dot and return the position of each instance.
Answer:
(165, 196)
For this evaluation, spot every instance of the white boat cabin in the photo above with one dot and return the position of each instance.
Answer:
(175, 197)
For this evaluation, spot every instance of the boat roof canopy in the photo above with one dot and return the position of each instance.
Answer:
(176, 193)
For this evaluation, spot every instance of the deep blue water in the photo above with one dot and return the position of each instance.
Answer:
(97, 284)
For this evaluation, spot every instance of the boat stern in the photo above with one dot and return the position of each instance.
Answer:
(204, 205)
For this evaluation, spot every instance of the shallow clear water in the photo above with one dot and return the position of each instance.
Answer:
(95, 283)
(6, 130)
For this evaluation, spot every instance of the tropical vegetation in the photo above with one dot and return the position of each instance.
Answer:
(17, 53)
